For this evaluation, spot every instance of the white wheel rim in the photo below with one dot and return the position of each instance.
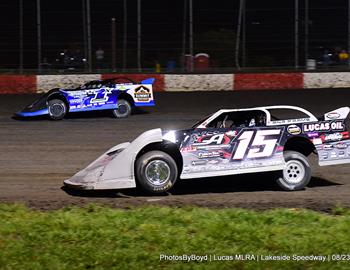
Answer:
(294, 172)
(157, 172)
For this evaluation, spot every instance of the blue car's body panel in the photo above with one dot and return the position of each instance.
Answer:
(35, 113)
(95, 95)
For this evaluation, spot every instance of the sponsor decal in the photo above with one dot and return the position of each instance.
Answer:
(332, 115)
(214, 161)
(279, 148)
(332, 137)
(213, 147)
(341, 154)
(293, 129)
(323, 126)
(198, 162)
(334, 155)
(313, 134)
(142, 94)
(76, 100)
(211, 139)
(289, 121)
(327, 147)
(341, 145)
(345, 135)
(188, 149)
(325, 155)
(205, 140)
(317, 141)
(209, 154)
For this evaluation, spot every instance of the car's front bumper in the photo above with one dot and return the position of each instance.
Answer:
(80, 186)
(34, 113)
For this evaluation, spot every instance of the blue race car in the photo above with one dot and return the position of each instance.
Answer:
(110, 94)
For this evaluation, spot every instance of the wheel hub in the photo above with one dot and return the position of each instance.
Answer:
(157, 172)
(122, 109)
(56, 109)
(294, 172)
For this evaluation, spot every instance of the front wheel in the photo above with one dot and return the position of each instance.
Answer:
(296, 173)
(123, 109)
(57, 109)
(156, 172)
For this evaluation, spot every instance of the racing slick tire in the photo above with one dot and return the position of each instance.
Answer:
(156, 172)
(297, 172)
(123, 110)
(57, 109)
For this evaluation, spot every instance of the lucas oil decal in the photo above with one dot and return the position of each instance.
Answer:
(323, 126)
(142, 94)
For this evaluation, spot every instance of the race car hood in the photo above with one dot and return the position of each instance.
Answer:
(115, 168)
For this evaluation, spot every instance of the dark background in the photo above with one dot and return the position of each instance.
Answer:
(269, 30)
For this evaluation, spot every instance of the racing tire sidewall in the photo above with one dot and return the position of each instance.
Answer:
(126, 106)
(294, 158)
(140, 171)
(57, 114)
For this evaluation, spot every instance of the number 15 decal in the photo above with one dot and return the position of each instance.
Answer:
(260, 147)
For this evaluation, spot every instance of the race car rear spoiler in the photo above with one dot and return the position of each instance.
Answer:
(148, 81)
(340, 113)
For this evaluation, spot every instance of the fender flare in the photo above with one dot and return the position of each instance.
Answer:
(60, 95)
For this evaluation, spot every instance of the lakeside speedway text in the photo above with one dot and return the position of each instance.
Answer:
(253, 257)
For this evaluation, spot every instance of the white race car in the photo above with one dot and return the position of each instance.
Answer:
(232, 141)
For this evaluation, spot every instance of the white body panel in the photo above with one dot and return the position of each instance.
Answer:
(114, 172)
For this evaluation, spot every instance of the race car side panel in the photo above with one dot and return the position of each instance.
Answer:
(216, 152)
(91, 99)
(331, 140)
(334, 153)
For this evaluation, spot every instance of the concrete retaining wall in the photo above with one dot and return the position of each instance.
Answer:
(47, 82)
(188, 82)
(327, 80)
(204, 82)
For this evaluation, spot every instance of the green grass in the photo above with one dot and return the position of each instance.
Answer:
(103, 238)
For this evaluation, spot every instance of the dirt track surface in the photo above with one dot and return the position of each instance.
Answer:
(36, 156)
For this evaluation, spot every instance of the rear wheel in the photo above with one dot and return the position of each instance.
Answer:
(57, 109)
(156, 172)
(297, 172)
(123, 109)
